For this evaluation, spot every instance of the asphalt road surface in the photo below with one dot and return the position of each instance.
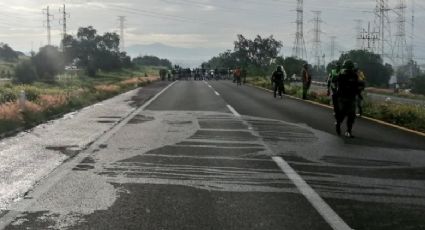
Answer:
(213, 155)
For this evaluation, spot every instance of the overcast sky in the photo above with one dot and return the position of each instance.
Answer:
(196, 23)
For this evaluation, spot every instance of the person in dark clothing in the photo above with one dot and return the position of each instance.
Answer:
(347, 90)
(278, 78)
(332, 90)
(306, 78)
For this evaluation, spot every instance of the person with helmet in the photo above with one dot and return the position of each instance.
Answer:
(347, 90)
(278, 78)
(361, 88)
(306, 78)
(332, 86)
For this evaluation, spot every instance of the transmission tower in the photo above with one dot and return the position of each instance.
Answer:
(122, 27)
(317, 43)
(412, 40)
(63, 21)
(401, 49)
(383, 25)
(48, 26)
(299, 49)
(369, 38)
(359, 30)
(333, 47)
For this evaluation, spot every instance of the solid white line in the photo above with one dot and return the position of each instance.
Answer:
(216, 93)
(331, 217)
(233, 111)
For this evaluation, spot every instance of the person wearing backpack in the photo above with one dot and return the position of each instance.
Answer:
(347, 91)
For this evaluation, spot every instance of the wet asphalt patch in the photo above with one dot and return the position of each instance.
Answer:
(139, 118)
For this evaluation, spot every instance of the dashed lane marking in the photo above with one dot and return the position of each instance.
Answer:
(216, 93)
(233, 111)
(327, 213)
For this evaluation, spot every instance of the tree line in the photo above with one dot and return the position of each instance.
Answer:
(260, 56)
(88, 51)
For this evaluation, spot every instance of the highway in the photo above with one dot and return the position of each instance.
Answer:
(214, 155)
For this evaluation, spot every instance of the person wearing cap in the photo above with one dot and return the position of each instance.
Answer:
(347, 84)
(306, 78)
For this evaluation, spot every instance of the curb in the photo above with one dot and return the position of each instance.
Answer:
(364, 117)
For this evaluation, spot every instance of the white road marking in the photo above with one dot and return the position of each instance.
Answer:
(233, 111)
(331, 217)
(216, 93)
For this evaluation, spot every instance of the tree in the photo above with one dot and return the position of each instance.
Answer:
(7, 53)
(152, 61)
(25, 72)
(377, 74)
(259, 52)
(405, 72)
(259, 56)
(418, 84)
(92, 51)
(293, 65)
(48, 63)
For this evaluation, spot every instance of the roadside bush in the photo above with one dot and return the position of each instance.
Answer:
(25, 73)
(7, 95)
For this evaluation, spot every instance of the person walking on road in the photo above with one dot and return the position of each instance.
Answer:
(237, 76)
(361, 88)
(347, 90)
(332, 89)
(244, 74)
(278, 79)
(306, 78)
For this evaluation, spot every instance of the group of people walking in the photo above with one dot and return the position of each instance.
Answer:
(345, 85)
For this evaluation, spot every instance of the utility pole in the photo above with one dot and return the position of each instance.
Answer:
(317, 43)
(65, 15)
(359, 26)
(122, 44)
(400, 44)
(48, 26)
(382, 21)
(299, 49)
(333, 47)
(369, 37)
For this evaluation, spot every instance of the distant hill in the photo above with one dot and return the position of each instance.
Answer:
(188, 57)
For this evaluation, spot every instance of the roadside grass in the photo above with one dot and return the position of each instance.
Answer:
(69, 93)
(405, 115)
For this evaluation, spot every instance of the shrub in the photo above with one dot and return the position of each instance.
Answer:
(25, 72)
(107, 88)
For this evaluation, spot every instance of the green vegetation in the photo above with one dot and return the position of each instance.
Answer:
(66, 94)
(377, 73)
(97, 71)
(409, 116)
